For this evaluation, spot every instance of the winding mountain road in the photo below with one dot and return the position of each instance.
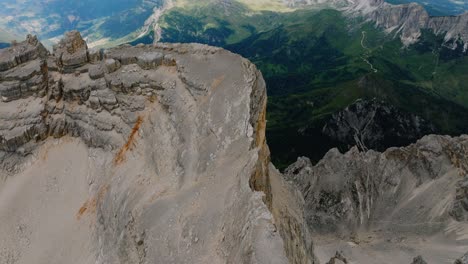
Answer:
(367, 52)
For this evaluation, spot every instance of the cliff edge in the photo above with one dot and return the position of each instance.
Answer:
(145, 154)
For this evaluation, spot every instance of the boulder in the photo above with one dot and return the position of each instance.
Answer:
(71, 52)
(462, 260)
(150, 60)
(418, 260)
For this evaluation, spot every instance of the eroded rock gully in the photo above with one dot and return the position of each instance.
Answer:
(142, 154)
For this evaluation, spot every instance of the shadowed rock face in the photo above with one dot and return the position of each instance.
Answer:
(136, 155)
(418, 260)
(462, 260)
(376, 125)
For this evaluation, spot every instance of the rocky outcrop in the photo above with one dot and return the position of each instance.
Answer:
(418, 260)
(412, 189)
(22, 71)
(287, 207)
(462, 260)
(140, 154)
(460, 206)
(373, 124)
(26, 51)
(71, 52)
(338, 259)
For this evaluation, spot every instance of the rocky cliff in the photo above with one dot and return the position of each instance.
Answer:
(357, 189)
(462, 260)
(387, 202)
(145, 154)
(407, 20)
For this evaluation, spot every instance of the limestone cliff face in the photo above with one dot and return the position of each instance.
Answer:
(281, 197)
(144, 154)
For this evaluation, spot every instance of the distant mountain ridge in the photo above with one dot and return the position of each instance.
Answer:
(404, 20)
(314, 55)
(438, 7)
(407, 20)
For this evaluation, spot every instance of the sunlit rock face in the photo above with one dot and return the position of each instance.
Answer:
(132, 155)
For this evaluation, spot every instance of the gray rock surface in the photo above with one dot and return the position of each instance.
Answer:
(19, 53)
(462, 260)
(287, 207)
(338, 259)
(71, 52)
(137, 155)
(418, 260)
(347, 192)
(386, 207)
(22, 70)
(460, 206)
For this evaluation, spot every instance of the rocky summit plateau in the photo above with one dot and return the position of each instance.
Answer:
(157, 154)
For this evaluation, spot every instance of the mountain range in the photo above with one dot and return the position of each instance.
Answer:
(158, 154)
(157, 150)
(317, 57)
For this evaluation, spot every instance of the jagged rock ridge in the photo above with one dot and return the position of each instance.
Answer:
(142, 154)
(356, 189)
(409, 193)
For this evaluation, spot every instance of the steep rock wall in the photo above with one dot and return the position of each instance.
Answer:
(139, 154)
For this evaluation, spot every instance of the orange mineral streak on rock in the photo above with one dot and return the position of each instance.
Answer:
(90, 205)
(120, 157)
(217, 81)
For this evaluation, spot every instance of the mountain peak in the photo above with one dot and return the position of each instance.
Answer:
(133, 145)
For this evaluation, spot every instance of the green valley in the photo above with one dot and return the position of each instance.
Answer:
(317, 62)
